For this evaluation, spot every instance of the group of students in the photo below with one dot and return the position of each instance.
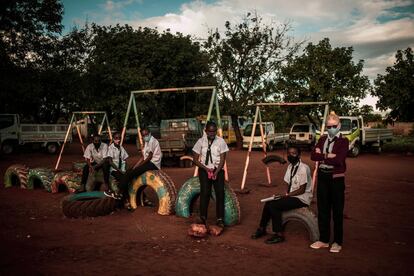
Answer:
(210, 156)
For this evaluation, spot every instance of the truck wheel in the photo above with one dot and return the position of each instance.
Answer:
(306, 217)
(190, 190)
(7, 148)
(52, 148)
(88, 204)
(355, 151)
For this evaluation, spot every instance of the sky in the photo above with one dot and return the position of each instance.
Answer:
(376, 29)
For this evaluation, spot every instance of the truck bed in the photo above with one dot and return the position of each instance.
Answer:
(375, 134)
(43, 133)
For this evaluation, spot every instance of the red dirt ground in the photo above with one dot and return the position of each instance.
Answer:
(36, 238)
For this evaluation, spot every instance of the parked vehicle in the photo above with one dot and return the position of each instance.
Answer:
(229, 135)
(178, 136)
(360, 136)
(302, 134)
(14, 134)
(271, 138)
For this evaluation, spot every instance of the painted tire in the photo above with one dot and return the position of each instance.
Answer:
(191, 190)
(77, 167)
(68, 179)
(18, 171)
(43, 175)
(162, 185)
(88, 204)
(306, 217)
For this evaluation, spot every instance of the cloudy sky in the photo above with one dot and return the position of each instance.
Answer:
(375, 28)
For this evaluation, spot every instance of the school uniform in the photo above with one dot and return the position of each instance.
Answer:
(96, 157)
(295, 176)
(119, 156)
(331, 185)
(210, 156)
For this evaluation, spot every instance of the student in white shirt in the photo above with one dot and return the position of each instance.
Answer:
(150, 160)
(116, 160)
(210, 155)
(299, 194)
(94, 155)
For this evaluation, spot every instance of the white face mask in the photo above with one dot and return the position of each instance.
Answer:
(147, 138)
(333, 131)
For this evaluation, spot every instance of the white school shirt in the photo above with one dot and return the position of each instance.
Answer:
(114, 153)
(96, 155)
(153, 146)
(302, 176)
(218, 147)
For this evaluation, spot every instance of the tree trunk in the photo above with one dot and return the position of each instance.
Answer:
(239, 137)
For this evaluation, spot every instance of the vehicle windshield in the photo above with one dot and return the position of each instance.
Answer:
(248, 130)
(6, 121)
(300, 128)
(346, 125)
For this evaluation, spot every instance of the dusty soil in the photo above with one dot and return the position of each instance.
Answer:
(35, 237)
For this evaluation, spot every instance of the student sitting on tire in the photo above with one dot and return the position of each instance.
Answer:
(116, 159)
(150, 160)
(95, 157)
(298, 195)
(212, 151)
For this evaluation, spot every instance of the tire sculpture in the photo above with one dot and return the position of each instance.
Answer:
(17, 172)
(88, 204)
(191, 190)
(43, 175)
(162, 185)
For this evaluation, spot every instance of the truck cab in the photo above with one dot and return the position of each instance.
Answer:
(268, 131)
(9, 132)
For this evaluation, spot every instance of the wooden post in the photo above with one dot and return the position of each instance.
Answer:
(141, 143)
(220, 132)
(126, 118)
(269, 179)
(64, 142)
(246, 165)
(109, 128)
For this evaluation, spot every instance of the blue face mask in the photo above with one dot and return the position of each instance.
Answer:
(147, 138)
(333, 131)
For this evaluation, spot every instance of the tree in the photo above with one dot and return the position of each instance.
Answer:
(323, 73)
(395, 89)
(246, 61)
(367, 113)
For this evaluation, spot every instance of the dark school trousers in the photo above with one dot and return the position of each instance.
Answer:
(330, 194)
(205, 194)
(273, 210)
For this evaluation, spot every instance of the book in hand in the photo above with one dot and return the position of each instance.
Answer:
(273, 197)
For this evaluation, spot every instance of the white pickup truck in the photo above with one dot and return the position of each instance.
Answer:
(13, 134)
(360, 136)
(271, 138)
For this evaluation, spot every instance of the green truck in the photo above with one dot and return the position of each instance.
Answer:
(360, 136)
(14, 134)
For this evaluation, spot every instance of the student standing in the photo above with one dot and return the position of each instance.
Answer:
(331, 151)
(210, 155)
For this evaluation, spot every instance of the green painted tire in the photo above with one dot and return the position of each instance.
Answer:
(88, 204)
(17, 172)
(191, 189)
(162, 184)
(43, 175)
(68, 179)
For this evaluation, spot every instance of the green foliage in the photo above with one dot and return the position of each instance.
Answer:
(400, 144)
(395, 89)
(367, 113)
(323, 73)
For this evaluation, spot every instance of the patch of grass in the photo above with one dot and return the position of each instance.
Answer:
(400, 144)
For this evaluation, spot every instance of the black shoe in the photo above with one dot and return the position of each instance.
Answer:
(110, 193)
(220, 223)
(275, 239)
(260, 232)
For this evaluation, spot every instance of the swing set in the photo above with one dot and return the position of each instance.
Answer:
(74, 123)
(258, 116)
(132, 105)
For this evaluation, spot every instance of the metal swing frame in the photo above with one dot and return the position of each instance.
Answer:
(132, 104)
(74, 121)
(258, 116)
